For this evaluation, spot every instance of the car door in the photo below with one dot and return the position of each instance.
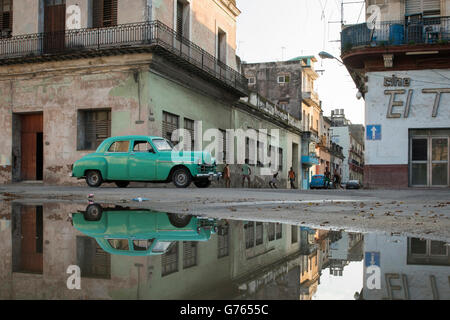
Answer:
(117, 160)
(142, 161)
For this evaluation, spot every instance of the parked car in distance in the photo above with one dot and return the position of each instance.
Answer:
(353, 184)
(140, 232)
(319, 181)
(121, 160)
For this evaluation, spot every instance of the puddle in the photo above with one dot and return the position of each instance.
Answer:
(74, 251)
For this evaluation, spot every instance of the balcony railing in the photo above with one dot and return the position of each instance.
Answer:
(311, 97)
(135, 37)
(392, 33)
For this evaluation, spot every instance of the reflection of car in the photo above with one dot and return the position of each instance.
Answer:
(353, 184)
(319, 181)
(140, 232)
(146, 159)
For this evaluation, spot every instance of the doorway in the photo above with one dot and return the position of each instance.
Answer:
(429, 158)
(54, 25)
(31, 147)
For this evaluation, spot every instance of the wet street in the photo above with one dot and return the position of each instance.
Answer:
(223, 244)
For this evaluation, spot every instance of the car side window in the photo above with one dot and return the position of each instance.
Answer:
(142, 245)
(119, 146)
(142, 146)
(119, 244)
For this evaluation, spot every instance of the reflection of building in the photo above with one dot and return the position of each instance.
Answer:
(410, 268)
(243, 260)
(346, 249)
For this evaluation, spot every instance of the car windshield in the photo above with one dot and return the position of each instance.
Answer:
(161, 246)
(163, 145)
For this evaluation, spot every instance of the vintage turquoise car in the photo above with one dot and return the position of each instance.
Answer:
(140, 232)
(145, 159)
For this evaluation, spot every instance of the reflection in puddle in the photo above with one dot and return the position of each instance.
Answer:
(125, 253)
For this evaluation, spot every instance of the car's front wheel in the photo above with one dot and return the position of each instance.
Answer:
(93, 212)
(122, 184)
(182, 178)
(202, 183)
(179, 220)
(94, 178)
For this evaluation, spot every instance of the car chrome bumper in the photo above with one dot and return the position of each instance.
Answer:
(210, 176)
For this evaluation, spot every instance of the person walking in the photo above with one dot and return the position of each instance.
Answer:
(273, 182)
(227, 175)
(292, 178)
(246, 172)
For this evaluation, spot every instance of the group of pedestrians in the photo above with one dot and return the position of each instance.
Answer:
(246, 175)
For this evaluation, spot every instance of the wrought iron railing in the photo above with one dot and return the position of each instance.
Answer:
(136, 35)
(390, 33)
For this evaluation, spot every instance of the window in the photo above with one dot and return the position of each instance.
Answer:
(93, 127)
(6, 18)
(249, 230)
(425, 7)
(142, 245)
(119, 146)
(189, 254)
(223, 241)
(142, 146)
(274, 231)
(280, 159)
(259, 233)
(294, 234)
(222, 46)
(162, 145)
(223, 138)
(284, 106)
(251, 80)
(104, 13)
(189, 141)
(284, 79)
(428, 252)
(119, 244)
(169, 125)
(93, 261)
(169, 261)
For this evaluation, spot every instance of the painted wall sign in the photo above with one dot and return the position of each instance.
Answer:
(373, 132)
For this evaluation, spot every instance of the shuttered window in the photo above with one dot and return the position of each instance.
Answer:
(93, 261)
(6, 18)
(249, 231)
(170, 123)
(425, 7)
(189, 254)
(271, 231)
(222, 154)
(278, 231)
(259, 233)
(223, 241)
(93, 127)
(180, 9)
(105, 13)
(169, 261)
(189, 139)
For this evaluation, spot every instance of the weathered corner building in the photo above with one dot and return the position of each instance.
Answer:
(401, 65)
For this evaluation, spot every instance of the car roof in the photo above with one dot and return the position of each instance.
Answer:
(133, 137)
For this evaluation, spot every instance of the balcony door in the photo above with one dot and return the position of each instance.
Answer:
(54, 25)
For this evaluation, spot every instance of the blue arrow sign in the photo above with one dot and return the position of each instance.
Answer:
(372, 259)
(373, 132)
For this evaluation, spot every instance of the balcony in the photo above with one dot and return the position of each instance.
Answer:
(310, 160)
(397, 33)
(310, 98)
(151, 36)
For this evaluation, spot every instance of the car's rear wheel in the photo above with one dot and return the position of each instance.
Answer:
(93, 212)
(94, 178)
(179, 220)
(202, 183)
(182, 178)
(122, 184)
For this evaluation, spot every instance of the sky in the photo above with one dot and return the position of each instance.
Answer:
(279, 30)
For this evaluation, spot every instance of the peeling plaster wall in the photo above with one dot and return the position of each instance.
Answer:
(59, 95)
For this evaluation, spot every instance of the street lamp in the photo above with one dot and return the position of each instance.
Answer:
(326, 55)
